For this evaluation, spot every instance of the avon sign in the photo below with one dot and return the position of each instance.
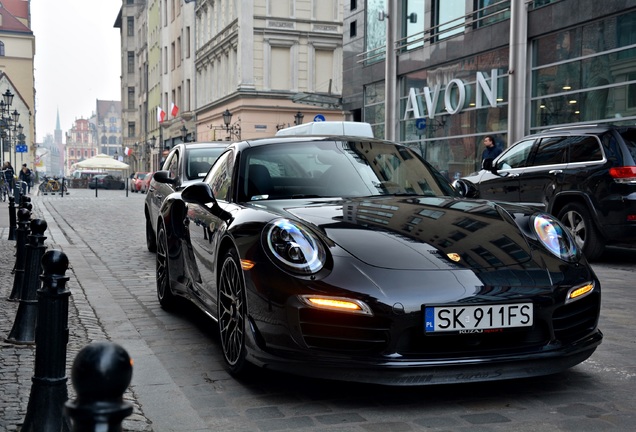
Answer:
(454, 96)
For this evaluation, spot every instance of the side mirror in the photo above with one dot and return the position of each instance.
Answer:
(201, 194)
(163, 177)
(198, 193)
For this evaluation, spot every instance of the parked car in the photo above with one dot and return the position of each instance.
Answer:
(145, 183)
(106, 181)
(184, 164)
(137, 180)
(584, 175)
(351, 258)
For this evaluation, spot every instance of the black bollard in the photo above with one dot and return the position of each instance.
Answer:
(22, 233)
(23, 331)
(12, 218)
(45, 411)
(100, 375)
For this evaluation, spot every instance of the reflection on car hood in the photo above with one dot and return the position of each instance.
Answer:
(415, 233)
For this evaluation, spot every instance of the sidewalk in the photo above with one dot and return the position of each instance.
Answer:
(17, 361)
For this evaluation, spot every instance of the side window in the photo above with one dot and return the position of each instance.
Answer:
(172, 165)
(516, 156)
(551, 151)
(585, 149)
(220, 176)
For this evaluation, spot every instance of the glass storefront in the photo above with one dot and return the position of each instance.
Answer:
(452, 142)
(585, 74)
(581, 75)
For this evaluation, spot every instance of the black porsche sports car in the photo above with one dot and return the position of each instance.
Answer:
(353, 259)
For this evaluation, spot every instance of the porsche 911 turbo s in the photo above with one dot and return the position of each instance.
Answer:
(353, 259)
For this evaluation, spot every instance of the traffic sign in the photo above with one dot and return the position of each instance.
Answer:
(319, 118)
(21, 148)
(420, 125)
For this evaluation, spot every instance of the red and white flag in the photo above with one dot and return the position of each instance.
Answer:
(174, 110)
(161, 115)
(127, 151)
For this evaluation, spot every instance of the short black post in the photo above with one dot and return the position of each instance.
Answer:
(23, 331)
(12, 218)
(22, 233)
(62, 190)
(45, 411)
(100, 375)
(95, 187)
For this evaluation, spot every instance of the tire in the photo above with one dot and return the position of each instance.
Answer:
(166, 298)
(232, 313)
(577, 219)
(151, 239)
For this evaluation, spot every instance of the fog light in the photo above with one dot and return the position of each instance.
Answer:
(337, 304)
(579, 292)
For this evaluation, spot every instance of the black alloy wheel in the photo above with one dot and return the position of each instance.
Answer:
(166, 298)
(576, 218)
(151, 239)
(232, 313)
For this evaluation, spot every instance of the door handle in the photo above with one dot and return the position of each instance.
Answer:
(557, 171)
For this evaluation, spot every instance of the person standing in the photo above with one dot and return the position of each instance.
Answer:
(491, 149)
(25, 176)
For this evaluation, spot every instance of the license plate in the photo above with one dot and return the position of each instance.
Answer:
(473, 318)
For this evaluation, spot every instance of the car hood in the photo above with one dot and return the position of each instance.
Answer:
(417, 233)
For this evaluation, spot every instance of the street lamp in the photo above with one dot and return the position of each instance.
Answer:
(184, 133)
(231, 129)
(298, 118)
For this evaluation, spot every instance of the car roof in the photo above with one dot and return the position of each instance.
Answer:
(307, 138)
(584, 128)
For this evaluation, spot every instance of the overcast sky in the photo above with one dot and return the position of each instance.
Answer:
(77, 59)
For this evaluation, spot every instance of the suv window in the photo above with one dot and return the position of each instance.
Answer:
(550, 151)
(585, 149)
(630, 142)
(516, 156)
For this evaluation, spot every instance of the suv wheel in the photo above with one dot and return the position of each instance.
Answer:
(578, 221)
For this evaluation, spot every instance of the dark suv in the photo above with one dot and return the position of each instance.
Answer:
(585, 175)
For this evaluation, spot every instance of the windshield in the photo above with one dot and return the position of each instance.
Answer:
(337, 169)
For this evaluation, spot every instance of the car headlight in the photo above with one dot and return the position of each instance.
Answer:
(555, 237)
(294, 247)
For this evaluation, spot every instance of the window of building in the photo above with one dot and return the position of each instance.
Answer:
(131, 62)
(585, 74)
(187, 42)
(323, 73)
(413, 23)
(280, 8)
(131, 129)
(179, 51)
(492, 11)
(131, 98)
(325, 10)
(2, 49)
(374, 107)
(130, 26)
(353, 29)
(353, 5)
(280, 68)
(450, 17)
(375, 31)
(172, 56)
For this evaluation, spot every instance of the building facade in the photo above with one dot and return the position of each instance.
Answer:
(459, 70)
(81, 144)
(17, 49)
(265, 64)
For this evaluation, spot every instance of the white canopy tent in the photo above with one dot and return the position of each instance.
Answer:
(103, 162)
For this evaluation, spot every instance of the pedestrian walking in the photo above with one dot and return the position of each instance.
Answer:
(25, 176)
(9, 175)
